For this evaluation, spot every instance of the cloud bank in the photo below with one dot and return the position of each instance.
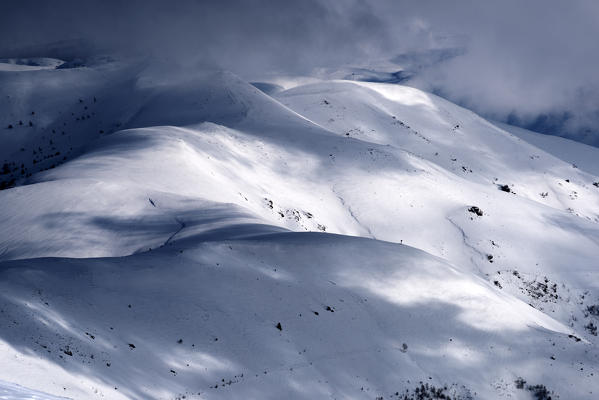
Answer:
(531, 63)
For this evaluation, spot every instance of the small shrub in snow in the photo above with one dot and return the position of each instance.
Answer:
(427, 391)
(592, 328)
(476, 210)
(505, 188)
(539, 392)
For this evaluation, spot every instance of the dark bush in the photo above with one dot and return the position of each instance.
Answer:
(540, 392)
(592, 328)
(476, 210)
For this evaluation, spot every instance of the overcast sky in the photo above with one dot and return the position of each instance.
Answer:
(518, 60)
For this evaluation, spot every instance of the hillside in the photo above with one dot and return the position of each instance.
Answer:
(199, 238)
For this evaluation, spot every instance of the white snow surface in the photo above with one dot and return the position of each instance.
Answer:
(16, 392)
(197, 238)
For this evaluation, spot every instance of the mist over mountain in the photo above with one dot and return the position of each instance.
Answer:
(533, 64)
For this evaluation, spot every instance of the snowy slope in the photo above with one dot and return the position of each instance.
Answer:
(189, 319)
(582, 155)
(194, 217)
(49, 114)
(17, 392)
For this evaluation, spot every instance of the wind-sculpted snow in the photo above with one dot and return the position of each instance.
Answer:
(337, 240)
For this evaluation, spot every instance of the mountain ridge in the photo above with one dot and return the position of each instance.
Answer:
(477, 248)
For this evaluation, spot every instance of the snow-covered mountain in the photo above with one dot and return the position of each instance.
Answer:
(196, 237)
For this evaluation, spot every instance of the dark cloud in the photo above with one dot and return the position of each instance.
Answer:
(239, 35)
(533, 63)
